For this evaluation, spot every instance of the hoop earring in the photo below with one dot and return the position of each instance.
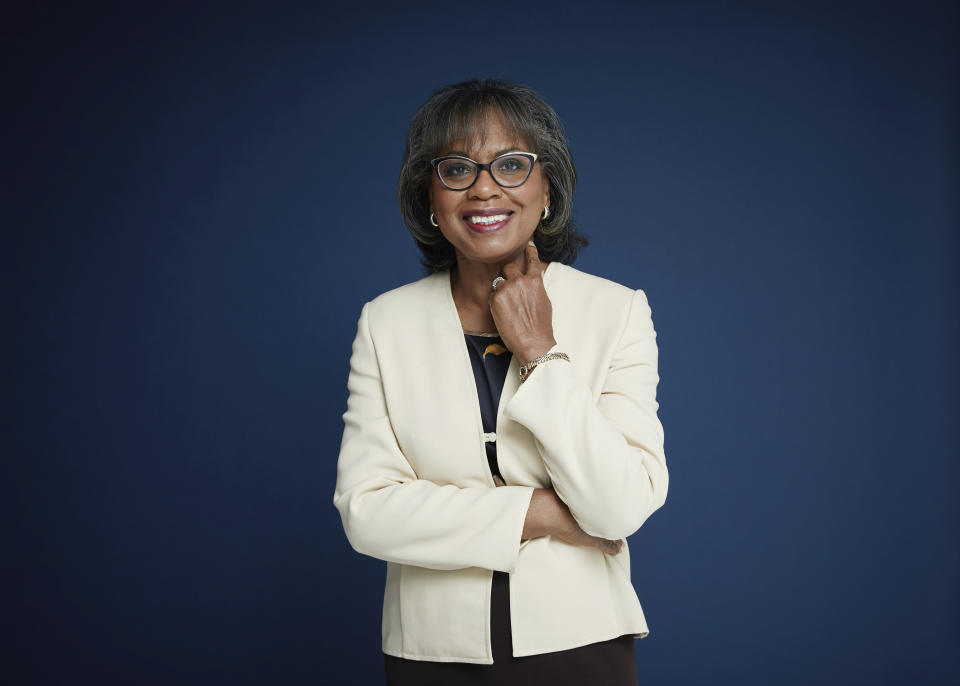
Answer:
(432, 220)
(546, 213)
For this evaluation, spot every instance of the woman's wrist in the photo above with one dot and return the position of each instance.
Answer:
(527, 369)
(541, 515)
(533, 351)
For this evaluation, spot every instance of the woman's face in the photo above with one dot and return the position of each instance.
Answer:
(457, 211)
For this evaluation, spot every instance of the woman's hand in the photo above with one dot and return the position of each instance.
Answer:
(522, 311)
(548, 515)
(568, 530)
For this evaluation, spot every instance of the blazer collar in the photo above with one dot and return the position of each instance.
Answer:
(443, 292)
(446, 333)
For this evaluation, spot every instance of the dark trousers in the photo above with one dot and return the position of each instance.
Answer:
(609, 662)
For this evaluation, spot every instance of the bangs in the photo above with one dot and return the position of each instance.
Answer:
(463, 125)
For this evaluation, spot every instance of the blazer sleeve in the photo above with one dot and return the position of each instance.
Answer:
(390, 514)
(605, 459)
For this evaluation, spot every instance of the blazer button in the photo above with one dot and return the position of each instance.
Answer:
(490, 437)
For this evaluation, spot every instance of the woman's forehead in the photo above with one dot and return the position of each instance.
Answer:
(485, 132)
(492, 146)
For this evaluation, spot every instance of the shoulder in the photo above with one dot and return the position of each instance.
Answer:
(567, 274)
(585, 302)
(408, 292)
(572, 285)
(409, 300)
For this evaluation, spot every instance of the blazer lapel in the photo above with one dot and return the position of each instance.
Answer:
(441, 430)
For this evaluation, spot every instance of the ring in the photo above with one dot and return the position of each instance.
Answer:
(496, 282)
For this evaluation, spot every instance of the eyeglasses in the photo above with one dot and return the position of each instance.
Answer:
(509, 171)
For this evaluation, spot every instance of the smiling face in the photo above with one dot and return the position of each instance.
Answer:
(487, 223)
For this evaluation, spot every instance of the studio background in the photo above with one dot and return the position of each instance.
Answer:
(197, 201)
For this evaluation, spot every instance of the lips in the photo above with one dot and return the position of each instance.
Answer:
(487, 220)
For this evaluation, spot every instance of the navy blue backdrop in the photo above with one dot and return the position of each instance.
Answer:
(198, 201)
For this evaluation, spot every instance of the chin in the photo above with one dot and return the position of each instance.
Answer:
(496, 257)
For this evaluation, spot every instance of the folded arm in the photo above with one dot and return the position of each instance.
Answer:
(390, 514)
(605, 459)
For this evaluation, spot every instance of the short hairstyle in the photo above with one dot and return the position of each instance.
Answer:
(457, 113)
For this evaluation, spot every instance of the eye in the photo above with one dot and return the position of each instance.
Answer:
(512, 165)
(456, 169)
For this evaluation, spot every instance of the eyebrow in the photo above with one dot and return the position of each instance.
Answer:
(461, 153)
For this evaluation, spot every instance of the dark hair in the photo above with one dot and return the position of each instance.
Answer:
(455, 113)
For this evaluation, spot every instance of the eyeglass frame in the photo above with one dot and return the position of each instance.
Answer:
(435, 163)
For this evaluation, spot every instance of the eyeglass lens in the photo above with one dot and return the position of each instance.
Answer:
(509, 170)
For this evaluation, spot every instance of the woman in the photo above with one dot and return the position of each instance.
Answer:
(501, 438)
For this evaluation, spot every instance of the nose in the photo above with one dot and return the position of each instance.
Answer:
(484, 187)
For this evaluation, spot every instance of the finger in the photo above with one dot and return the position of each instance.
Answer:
(511, 271)
(603, 544)
(533, 257)
(613, 547)
(534, 265)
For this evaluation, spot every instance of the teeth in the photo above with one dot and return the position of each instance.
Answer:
(491, 219)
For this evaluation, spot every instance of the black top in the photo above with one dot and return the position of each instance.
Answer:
(490, 360)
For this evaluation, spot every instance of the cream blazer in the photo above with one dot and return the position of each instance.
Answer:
(414, 487)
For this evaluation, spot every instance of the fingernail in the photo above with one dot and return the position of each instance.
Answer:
(531, 243)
